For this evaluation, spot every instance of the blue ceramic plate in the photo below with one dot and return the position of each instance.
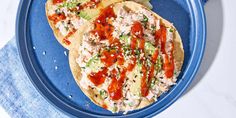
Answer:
(46, 61)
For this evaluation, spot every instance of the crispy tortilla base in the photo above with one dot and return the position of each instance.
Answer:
(72, 38)
(56, 32)
(178, 56)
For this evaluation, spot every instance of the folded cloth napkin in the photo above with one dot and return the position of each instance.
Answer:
(17, 94)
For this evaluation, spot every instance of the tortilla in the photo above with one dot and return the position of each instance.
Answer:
(93, 94)
(50, 7)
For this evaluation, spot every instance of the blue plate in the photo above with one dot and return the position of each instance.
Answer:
(46, 61)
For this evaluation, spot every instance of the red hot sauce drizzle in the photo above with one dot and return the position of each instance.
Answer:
(57, 17)
(168, 61)
(57, 1)
(65, 40)
(104, 29)
(145, 83)
(99, 77)
(137, 35)
(137, 32)
(104, 106)
(89, 4)
(115, 88)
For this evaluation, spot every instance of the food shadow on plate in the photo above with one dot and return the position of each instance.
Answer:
(214, 19)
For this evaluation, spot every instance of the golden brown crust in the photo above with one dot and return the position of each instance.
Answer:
(178, 56)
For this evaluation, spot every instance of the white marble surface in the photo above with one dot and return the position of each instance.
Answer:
(213, 93)
(8, 10)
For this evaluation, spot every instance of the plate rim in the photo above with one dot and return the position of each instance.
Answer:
(21, 29)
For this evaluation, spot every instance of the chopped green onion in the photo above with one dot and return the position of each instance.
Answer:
(153, 27)
(158, 65)
(131, 104)
(125, 38)
(137, 52)
(128, 34)
(67, 28)
(171, 30)
(159, 62)
(103, 94)
(153, 83)
(175, 73)
(145, 19)
(99, 55)
(58, 11)
(91, 60)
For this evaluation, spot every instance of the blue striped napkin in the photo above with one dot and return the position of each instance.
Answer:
(17, 95)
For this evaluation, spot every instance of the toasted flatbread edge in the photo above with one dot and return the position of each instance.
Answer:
(56, 32)
(178, 56)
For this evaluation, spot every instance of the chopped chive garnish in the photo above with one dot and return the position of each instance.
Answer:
(153, 27)
(145, 19)
(171, 30)
(103, 93)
